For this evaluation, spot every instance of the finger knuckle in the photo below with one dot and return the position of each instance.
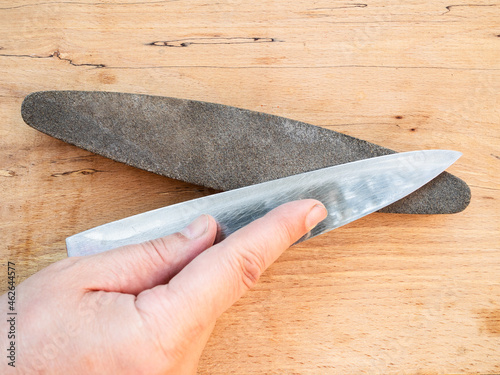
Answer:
(251, 264)
(159, 251)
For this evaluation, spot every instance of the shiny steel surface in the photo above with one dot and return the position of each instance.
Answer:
(349, 192)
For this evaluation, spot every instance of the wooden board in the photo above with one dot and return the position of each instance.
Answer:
(387, 294)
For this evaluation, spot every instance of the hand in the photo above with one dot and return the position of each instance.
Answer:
(148, 308)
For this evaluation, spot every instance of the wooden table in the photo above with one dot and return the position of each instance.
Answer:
(387, 294)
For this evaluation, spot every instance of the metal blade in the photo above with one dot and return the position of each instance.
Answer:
(214, 145)
(349, 192)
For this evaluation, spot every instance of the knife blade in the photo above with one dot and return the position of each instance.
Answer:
(214, 145)
(348, 191)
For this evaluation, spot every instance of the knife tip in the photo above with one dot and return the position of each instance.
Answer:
(451, 155)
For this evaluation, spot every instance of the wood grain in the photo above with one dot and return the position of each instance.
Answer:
(392, 294)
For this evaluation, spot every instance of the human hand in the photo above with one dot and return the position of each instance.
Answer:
(148, 308)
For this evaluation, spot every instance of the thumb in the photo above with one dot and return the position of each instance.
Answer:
(218, 277)
(134, 268)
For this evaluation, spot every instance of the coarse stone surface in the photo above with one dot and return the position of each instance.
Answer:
(214, 145)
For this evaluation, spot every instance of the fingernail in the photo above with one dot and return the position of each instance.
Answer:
(197, 228)
(317, 214)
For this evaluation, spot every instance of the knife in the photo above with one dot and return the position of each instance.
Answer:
(348, 191)
(214, 145)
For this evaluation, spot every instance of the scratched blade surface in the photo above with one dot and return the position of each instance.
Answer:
(349, 192)
(214, 145)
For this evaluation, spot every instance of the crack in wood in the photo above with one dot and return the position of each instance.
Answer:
(57, 55)
(327, 12)
(348, 6)
(450, 7)
(7, 173)
(192, 41)
(84, 172)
